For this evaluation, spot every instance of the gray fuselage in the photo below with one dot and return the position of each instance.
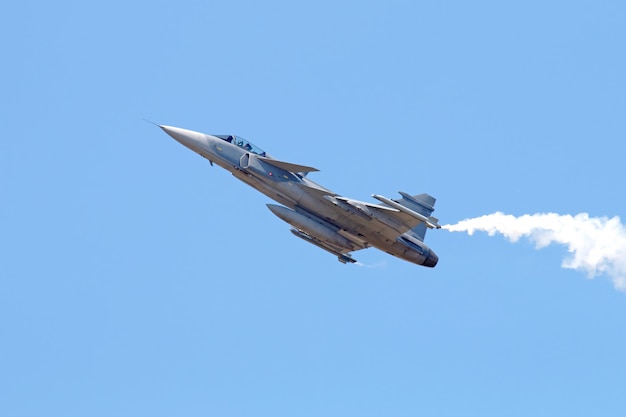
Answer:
(357, 228)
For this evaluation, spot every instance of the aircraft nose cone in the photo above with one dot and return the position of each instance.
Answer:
(189, 138)
(181, 135)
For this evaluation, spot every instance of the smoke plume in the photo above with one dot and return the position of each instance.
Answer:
(597, 245)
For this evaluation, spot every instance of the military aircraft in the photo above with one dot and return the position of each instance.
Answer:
(337, 224)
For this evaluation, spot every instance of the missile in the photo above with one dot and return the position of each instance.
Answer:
(343, 258)
(314, 228)
(427, 221)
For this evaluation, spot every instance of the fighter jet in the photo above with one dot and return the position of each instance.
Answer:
(337, 224)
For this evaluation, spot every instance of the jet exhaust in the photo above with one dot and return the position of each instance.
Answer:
(597, 244)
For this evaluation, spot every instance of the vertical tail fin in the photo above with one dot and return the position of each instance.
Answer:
(421, 203)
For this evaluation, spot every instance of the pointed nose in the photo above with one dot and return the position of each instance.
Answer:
(189, 138)
(183, 136)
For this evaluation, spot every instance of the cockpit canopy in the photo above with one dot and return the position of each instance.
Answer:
(242, 143)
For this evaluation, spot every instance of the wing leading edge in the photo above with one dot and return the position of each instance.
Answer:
(288, 166)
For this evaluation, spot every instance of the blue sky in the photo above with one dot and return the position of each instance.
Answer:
(137, 280)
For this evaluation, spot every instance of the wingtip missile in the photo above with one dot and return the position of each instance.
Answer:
(430, 222)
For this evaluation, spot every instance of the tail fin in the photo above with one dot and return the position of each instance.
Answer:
(421, 203)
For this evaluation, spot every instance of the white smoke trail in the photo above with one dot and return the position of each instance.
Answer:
(597, 245)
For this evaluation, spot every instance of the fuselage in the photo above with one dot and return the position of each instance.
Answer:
(317, 205)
